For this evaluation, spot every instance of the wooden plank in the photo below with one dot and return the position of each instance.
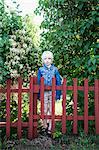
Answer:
(53, 103)
(42, 97)
(30, 125)
(35, 122)
(86, 106)
(64, 107)
(19, 126)
(36, 89)
(57, 118)
(75, 106)
(97, 105)
(8, 108)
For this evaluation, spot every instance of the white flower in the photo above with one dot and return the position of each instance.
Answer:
(13, 37)
(21, 66)
(23, 31)
(11, 40)
(14, 73)
(13, 62)
(24, 45)
(14, 44)
(16, 58)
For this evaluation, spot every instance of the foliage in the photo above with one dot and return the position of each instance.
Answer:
(33, 29)
(14, 107)
(22, 56)
(18, 54)
(83, 141)
(5, 30)
(70, 31)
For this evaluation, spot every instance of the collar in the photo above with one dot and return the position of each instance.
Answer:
(51, 68)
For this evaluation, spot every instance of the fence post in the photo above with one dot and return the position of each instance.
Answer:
(30, 129)
(86, 105)
(53, 104)
(96, 91)
(35, 95)
(42, 97)
(19, 125)
(8, 108)
(75, 106)
(64, 107)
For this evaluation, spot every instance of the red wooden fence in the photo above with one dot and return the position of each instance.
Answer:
(33, 116)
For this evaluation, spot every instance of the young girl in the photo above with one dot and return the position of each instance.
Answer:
(48, 71)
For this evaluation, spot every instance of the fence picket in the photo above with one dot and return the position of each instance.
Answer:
(75, 106)
(19, 124)
(42, 98)
(30, 129)
(64, 107)
(86, 106)
(8, 108)
(35, 96)
(96, 88)
(53, 104)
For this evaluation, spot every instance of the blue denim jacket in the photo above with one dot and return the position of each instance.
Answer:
(48, 74)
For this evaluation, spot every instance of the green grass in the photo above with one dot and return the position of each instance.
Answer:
(68, 142)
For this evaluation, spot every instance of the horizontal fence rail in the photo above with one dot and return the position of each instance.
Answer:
(33, 90)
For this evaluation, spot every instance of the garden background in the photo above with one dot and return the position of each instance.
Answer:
(69, 29)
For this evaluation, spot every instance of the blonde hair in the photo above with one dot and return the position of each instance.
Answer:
(50, 54)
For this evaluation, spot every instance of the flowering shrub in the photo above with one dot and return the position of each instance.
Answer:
(18, 53)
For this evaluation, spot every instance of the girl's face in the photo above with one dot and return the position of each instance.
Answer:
(47, 60)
